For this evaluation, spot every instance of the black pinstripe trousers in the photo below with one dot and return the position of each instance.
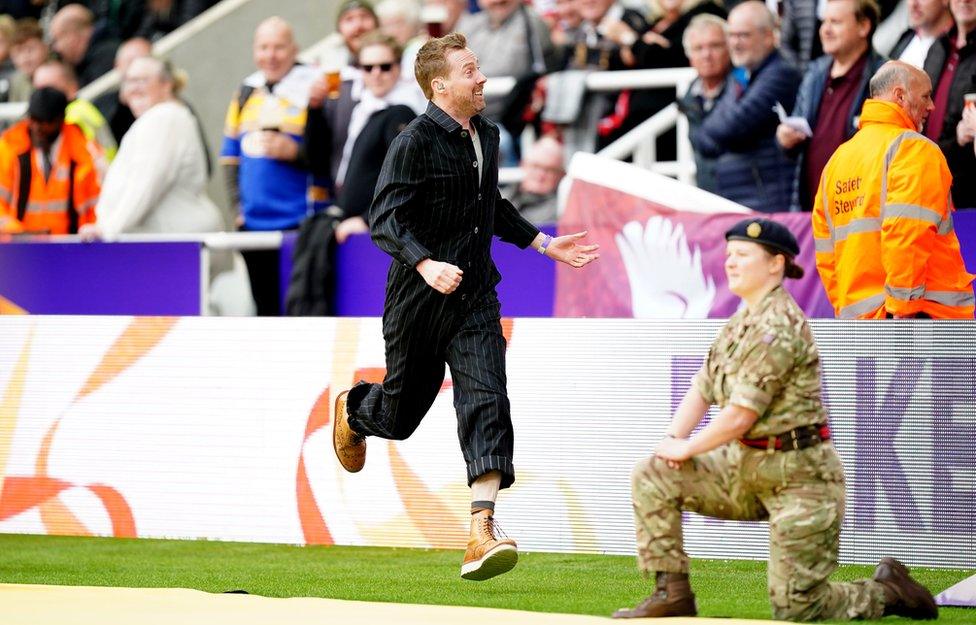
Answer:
(421, 337)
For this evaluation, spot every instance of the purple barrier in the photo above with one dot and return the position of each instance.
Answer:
(102, 278)
(527, 288)
(965, 224)
(164, 278)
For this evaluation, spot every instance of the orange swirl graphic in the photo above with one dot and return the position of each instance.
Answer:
(314, 527)
(19, 494)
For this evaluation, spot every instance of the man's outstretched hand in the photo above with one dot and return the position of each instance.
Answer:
(567, 249)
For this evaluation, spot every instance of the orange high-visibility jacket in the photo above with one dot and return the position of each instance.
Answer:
(882, 224)
(57, 205)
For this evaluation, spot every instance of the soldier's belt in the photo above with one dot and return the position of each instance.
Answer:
(799, 438)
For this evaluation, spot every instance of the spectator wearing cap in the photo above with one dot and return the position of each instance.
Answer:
(27, 53)
(88, 48)
(386, 107)
(270, 183)
(80, 112)
(882, 220)
(48, 180)
(354, 19)
(832, 93)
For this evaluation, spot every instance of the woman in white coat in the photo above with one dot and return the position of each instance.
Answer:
(156, 182)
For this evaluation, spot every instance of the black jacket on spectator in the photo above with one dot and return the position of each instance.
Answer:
(808, 106)
(18, 9)
(647, 102)
(366, 159)
(326, 131)
(157, 24)
(118, 115)
(606, 56)
(653, 56)
(962, 161)
(799, 33)
(902, 43)
(121, 17)
(99, 58)
(740, 133)
(311, 283)
(693, 107)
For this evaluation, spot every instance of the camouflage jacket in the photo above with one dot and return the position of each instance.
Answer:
(767, 361)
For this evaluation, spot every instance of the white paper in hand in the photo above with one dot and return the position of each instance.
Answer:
(797, 123)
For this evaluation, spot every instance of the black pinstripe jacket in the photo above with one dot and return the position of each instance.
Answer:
(429, 204)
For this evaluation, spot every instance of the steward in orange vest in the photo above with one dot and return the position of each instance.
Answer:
(882, 218)
(48, 180)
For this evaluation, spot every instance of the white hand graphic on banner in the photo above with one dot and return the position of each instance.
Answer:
(666, 277)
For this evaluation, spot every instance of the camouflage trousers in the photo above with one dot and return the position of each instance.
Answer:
(801, 493)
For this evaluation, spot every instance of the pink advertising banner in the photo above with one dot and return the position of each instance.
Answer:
(658, 258)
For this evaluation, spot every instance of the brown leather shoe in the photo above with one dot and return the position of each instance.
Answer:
(489, 552)
(350, 448)
(673, 597)
(903, 595)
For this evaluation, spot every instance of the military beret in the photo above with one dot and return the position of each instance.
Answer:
(766, 232)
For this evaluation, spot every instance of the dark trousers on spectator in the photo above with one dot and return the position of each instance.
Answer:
(263, 269)
(419, 342)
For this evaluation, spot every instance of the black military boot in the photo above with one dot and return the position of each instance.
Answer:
(672, 597)
(903, 595)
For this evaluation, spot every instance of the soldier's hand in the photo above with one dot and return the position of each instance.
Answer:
(673, 450)
(442, 277)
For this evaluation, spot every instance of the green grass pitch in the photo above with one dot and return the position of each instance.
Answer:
(544, 582)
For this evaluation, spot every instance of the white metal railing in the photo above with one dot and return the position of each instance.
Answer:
(640, 144)
(211, 240)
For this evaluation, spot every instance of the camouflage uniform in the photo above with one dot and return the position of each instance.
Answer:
(766, 361)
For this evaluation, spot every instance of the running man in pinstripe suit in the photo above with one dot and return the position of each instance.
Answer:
(435, 211)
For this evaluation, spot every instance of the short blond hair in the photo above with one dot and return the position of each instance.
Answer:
(432, 62)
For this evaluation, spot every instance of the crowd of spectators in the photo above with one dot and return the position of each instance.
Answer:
(307, 139)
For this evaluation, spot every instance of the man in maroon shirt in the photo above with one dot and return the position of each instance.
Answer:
(832, 92)
(951, 65)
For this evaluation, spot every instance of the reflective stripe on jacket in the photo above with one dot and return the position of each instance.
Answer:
(882, 224)
(36, 204)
